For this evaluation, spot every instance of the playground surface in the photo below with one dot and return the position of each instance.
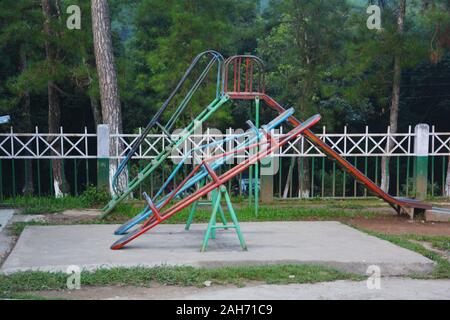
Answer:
(330, 243)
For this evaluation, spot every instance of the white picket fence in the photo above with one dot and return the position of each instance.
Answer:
(63, 145)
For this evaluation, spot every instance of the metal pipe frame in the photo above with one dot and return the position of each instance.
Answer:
(215, 184)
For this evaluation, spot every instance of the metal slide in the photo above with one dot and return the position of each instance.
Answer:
(238, 89)
(396, 203)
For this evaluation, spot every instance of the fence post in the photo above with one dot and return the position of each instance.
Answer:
(103, 156)
(421, 142)
(266, 183)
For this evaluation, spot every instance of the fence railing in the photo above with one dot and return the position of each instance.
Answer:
(78, 152)
(64, 145)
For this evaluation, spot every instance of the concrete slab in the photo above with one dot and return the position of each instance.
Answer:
(81, 213)
(5, 216)
(54, 248)
(6, 240)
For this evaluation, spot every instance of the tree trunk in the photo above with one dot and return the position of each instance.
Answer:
(95, 108)
(54, 108)
(109, 91)
(288, 180)
(303, 179)
(394, 100)
(28, 186)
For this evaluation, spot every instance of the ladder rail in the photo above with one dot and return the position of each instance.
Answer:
(216, 56)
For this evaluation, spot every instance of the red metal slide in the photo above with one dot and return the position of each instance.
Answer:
(244, 79)
(396, 203)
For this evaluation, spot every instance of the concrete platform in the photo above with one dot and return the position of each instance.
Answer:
(54, 248)
(6, 240)
(438, 215)
(5, 216)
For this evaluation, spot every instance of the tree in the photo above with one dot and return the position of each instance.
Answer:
(18, 49)
(300, 60)
(166, 41)
(51, 14)
(28, 186)
(395, 99)
(106, 69)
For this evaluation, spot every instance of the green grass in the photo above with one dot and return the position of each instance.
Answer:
(25, 296)
(125, 211)
(91, 197)
(17, 228)
(245, 213)
(22, 283)
(442, 269)
(42, 205)
(438, 242)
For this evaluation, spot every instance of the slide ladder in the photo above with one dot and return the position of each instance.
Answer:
(214, 58)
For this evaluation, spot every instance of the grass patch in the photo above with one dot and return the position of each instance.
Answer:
(24, 296)
(442, 269)
(346, 205)
(34, 205)
(25, 282)
(438, 242)
(245, 213)
(17, 228)
(126, 211)
(91, 197)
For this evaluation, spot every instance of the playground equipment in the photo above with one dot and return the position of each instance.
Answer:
(219, 160)
(241, 78)
(216, 182)
(215, 58)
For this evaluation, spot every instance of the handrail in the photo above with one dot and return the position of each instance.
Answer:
(237, 62)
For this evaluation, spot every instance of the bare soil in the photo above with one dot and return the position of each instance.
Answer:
(393, 224)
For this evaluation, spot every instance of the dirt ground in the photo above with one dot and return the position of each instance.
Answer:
(390, 288)
(154, 291)
(393, 224)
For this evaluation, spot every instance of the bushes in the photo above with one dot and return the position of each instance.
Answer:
(93, 197)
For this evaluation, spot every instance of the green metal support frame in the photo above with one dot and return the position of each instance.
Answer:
(257, 163)
(204, 203)
(155, 163)
(212, 226)
(215, 202)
